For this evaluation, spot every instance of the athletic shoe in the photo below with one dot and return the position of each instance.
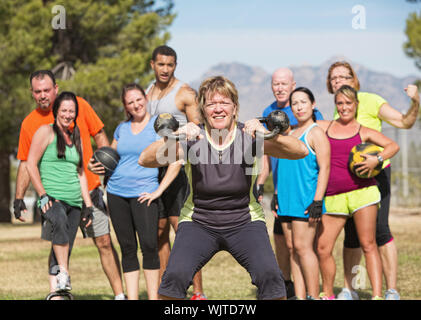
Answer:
(289, 286)
(310, 298)
(63, 281)
(324, 296)
(120, 296)
(377, 298)
(392, 294)
(347, 294)
(199, 296)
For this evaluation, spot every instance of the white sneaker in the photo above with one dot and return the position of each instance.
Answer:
(63, 281)
(392, 294)
(347, 294)
(120, 296)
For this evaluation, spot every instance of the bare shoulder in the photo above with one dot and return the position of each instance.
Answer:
(186, 101)
(45, 129)
(366, 130)
(317, 131)
(366, 133)
(317, 135)
(187, 92)
(323, 124)
(44, 133)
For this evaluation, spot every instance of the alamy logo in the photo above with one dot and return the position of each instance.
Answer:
(360, 279)
(359, 20)
(59, 20)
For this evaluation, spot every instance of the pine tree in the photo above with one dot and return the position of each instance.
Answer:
(412, 47)
(94, 48)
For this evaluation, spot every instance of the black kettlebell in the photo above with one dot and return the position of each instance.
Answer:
(277, 122)
(165, 124)
(64, 294)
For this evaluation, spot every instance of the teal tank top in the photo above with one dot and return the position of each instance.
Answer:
(60, 176)
(297, 182)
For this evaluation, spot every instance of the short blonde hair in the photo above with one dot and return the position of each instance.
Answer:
(217, 84)
(351, 71)
(350, 93)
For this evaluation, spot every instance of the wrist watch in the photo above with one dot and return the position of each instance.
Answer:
(380, 158)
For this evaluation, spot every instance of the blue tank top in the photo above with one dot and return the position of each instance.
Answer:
(292, 121)
(297, 182)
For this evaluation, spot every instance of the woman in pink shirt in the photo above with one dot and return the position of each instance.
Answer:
(350, 196)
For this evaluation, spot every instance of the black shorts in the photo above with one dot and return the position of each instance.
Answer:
(196, 244)
(172, 200)
(383, 233)
(290, 219)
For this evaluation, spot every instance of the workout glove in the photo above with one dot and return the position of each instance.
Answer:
(314, 210)
(260, 190)
(43, 200)
(86, 215)
(274, 203)
(18, 206)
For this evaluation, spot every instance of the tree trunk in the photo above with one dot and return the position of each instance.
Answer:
(5, 214)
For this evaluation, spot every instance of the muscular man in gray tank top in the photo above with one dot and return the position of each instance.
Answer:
(170, 95)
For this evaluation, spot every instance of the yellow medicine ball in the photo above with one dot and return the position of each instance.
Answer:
(355, 158)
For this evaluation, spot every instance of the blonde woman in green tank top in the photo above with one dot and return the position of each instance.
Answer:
(56, 171)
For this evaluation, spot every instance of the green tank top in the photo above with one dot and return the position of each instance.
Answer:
(59, 176)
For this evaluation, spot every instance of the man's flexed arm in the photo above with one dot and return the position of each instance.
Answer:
(187, 98)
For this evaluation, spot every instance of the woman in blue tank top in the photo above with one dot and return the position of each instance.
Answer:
(132, 193)
(301, 187)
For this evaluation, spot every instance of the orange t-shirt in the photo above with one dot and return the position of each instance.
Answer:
(89, 125)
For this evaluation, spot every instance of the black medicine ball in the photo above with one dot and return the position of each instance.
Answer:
(108, 157)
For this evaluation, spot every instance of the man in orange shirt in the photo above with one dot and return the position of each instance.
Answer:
(44, 91)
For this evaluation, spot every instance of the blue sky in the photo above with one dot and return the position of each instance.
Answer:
(270, 34)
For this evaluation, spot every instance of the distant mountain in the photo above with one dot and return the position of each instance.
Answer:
(253, 84)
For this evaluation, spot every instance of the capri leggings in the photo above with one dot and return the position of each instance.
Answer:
(60, 224)
(129, 217)
(383, 234)
(196, 244)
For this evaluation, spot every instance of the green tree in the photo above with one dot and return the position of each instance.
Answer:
(412, 47)
(104, 44)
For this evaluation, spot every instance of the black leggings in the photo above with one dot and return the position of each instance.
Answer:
(129, 216)
(249, 244)
(383, 234)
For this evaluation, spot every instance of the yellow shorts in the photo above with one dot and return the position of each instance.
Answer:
(347, 203)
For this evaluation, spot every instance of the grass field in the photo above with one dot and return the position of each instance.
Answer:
(23, 265)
